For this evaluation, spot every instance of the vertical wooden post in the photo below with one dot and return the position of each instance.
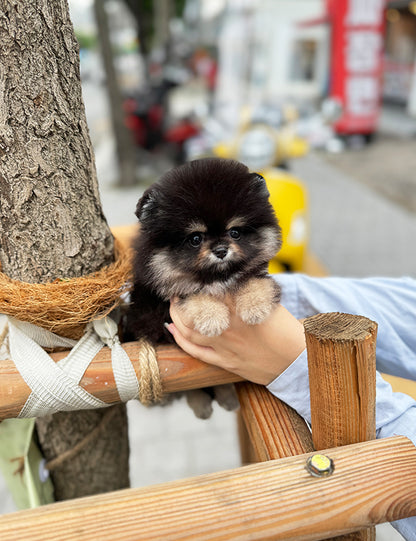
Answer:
(342, 379)
(274, 429)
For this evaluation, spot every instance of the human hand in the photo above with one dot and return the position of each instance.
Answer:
(258, 353)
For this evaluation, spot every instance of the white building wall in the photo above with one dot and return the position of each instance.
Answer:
(281, 18)
(256, 50)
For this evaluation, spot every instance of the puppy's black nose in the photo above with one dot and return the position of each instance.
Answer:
(220, 252)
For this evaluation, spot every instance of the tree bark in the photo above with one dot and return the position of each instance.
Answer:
(51, 220)
(142, 18)
(48, 185)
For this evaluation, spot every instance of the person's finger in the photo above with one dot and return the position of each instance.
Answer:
(179, 314)
(203, 353)
(185, 329)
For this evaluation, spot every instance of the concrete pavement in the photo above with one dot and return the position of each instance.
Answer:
(354, 230)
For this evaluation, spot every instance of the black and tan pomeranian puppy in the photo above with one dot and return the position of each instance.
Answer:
(206, 229)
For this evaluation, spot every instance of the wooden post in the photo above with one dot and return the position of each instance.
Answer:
(274, 429)
(342, 379)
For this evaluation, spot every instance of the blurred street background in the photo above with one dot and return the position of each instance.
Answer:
(169, 81)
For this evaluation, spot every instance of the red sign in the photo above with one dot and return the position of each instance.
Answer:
(356, 62)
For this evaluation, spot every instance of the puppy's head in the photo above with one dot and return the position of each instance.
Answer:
(207, 223)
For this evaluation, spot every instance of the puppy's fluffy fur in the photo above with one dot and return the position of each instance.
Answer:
(207, 229)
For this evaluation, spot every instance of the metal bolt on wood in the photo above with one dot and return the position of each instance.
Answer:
(320, 465)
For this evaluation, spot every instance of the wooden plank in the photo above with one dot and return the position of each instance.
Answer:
(247, 452)
(401, 385)
(342, 378)
(275, 429)
(126, 234)
(372, 482)
(178, 372)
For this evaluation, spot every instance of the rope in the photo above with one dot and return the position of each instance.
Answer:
(66, 306)
(73, 308)
(55, 386)
(150, 390)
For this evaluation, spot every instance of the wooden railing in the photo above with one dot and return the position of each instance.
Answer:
(285, 495)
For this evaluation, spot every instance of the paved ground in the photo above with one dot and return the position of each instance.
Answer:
(355, 230)
(388, 166)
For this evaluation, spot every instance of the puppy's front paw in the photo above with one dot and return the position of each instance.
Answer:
(226, 396)
(208, 315)
(256, 300)
(200, 403)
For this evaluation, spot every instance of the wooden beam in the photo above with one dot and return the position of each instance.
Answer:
(178, 372)
(342, 379)
(401, 385)
(275, 430)
(372, 482)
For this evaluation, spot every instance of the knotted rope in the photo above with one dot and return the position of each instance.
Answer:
(150, 389)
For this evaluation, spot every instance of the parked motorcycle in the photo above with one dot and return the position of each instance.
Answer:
(147, 117)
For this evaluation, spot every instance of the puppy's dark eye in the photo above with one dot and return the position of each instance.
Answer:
(195, 240)
(234, 233)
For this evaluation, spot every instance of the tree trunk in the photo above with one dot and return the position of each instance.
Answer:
(143, 23)
(126, 154)
(161, 17)
(51, 221)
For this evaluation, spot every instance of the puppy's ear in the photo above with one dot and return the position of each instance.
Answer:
(147, 204)
(260, 184)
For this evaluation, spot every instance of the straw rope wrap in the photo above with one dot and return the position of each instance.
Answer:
(66, 306)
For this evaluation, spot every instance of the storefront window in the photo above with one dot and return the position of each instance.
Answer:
(302, 67)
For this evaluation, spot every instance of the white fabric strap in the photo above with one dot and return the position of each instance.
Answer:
(55, 386)
(123, 370)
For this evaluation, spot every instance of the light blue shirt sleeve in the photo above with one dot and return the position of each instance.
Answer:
(391, 302)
